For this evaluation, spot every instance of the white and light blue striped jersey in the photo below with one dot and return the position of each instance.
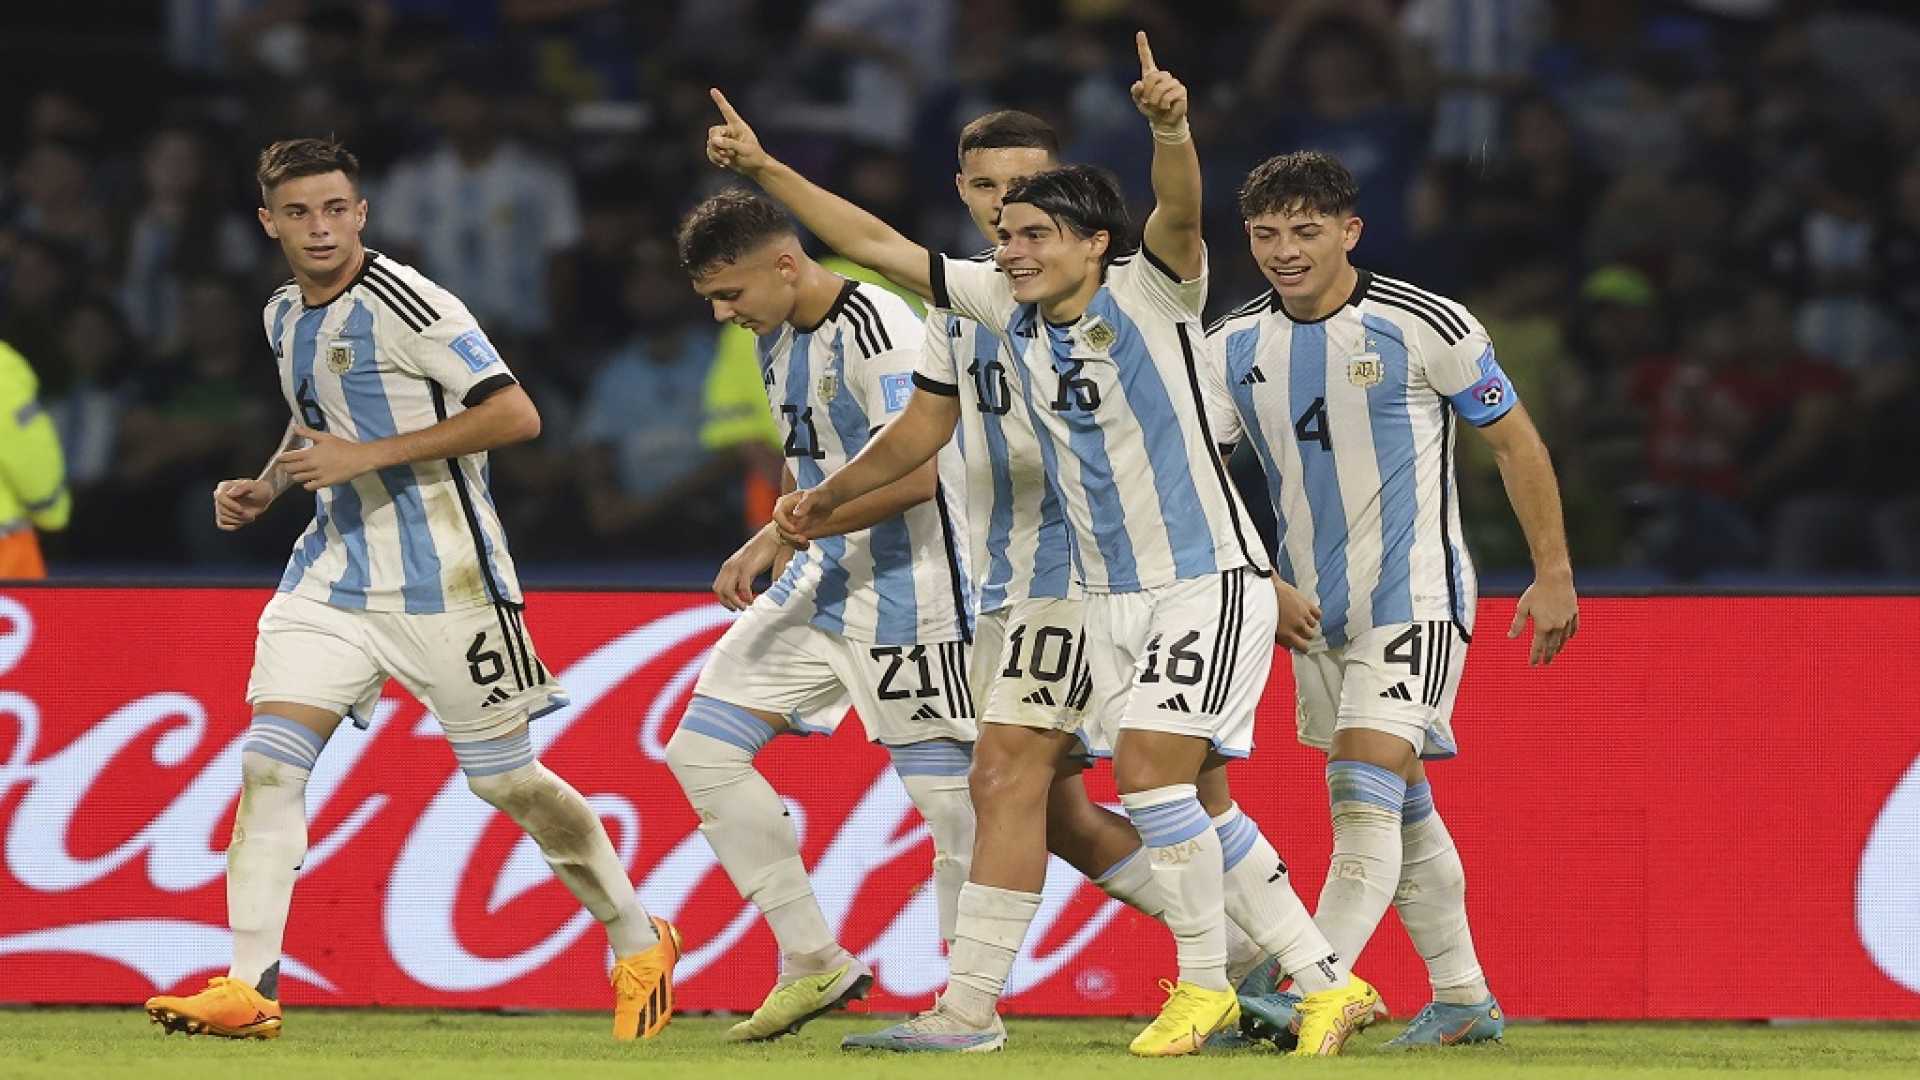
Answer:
(1352, 418)
(1017, 531)
(831, 387)
(1115, 399)
(393, 353)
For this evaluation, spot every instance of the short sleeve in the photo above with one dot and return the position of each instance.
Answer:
(451, 350)
(1145, 279)
(977, 290)
(1216, 396)
(938, 372)
(1466, 372)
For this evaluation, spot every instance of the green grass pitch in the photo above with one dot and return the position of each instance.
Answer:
(413, 1045)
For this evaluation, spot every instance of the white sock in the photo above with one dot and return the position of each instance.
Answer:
(992, 925)
(1185, 853)
(935, 775)
(263, 860)
(1365, 870)
(269, 843)
(1131, 882)
(1243, 953)
(747, 825)
(1261, 901)
(1432, 902)
(569, 832)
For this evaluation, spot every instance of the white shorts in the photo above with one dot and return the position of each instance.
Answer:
(1401, 679)
(1189, 658)
(474, 668)
(1030, 667)
(904, 693)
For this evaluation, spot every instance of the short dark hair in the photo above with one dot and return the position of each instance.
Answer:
(1082, 198)
(1006, 129)
(292, 158)
(726, 226)
(1305, 180)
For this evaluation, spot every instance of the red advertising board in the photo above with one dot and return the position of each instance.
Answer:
(1705, 808)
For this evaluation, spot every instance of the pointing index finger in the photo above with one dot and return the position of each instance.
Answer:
(1147, 66)
(726, 107)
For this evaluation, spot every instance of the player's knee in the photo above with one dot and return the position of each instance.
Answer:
(1002, 782)
(497, 769)
(714, 742)
(278, 751)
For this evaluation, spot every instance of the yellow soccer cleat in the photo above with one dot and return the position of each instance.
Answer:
(227, 1008)
(643, 986)
(1329, 1018)
(1190, 1015)
(796, 1001)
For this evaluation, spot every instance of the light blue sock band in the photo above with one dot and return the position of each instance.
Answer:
(731, 724)
(1169, 823)
(1419, 804)
(284, 741)
(1236, 837)
(932, 757)
(1359, 781)
(491, 757)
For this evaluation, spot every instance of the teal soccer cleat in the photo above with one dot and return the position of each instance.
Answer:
(939, 1030)
(1444, 1024)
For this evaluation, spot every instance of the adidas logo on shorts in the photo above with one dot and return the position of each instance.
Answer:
(1396, 692)
(928, 712)
(1176, 703)
(495, 698)
(1042, 696)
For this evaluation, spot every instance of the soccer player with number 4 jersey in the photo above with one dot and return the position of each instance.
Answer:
(1178, 621)
(1348, 384)
(403, 574)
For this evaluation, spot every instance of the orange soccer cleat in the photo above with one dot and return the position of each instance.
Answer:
(228, 1008)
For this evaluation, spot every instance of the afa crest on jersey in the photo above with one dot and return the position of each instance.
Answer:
(829, 387)
(339, 358)
(1366, 370)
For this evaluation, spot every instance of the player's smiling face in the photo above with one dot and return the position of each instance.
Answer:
(1044, 261)
(317, 220)
(985, 176)
(1302, 252)
(756, 292)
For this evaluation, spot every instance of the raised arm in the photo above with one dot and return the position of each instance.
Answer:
(838, 223)
(1172, 234)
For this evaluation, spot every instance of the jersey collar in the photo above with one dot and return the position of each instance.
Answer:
(367, 255)
(833, 310)
(1363, 279)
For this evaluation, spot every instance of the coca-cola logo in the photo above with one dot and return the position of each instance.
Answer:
(439, 857)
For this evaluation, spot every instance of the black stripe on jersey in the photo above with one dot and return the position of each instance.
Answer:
(1429, 649)
(948, 683)
(953, 562)
(1444, 322)
(1446, 541)
(1219, 467)
(1439, 303)
(876, 326)
(1258, 303)
(500, 603)
(1422, 314)
(937, 281)
(862, 333)
(417, 302)
(1154, 260)
(387, 297)
(935, 386)
(486, 388)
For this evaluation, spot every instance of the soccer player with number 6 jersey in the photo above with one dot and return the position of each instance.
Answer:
(1347, 384)
(404, 574)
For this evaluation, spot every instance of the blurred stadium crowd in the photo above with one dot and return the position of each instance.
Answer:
(1692, 228)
